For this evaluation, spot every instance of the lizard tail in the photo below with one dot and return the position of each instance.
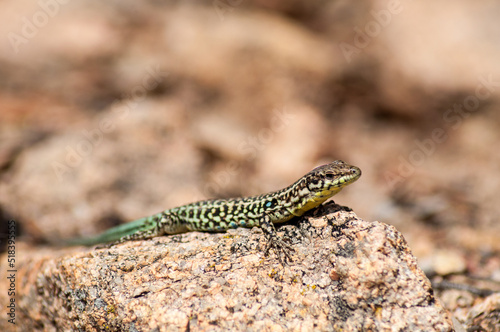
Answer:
(118, 233)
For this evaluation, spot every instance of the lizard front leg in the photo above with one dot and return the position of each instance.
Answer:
(281, 248)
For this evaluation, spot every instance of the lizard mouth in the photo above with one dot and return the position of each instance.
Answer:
(346, 179)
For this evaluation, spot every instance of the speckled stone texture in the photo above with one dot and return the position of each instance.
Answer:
(347, 274)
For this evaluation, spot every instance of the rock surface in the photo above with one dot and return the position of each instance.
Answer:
(347, 274)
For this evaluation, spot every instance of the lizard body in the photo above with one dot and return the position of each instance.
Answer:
(218, 215)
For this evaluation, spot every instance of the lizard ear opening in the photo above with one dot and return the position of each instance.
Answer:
(330, 176)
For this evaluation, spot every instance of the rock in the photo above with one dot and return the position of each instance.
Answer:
(447, 262)
(346, 274)
(485, 315)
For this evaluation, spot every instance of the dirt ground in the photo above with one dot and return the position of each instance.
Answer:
(113, 111)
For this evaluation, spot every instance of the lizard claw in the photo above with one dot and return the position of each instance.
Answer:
(281, 248)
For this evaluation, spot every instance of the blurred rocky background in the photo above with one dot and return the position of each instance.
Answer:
(113, 111)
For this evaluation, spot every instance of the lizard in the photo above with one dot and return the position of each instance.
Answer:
(219, 215)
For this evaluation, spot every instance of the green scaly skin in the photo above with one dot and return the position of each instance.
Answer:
(219, 215)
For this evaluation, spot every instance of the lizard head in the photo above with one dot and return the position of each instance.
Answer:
(313, 189)
(329, 179)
